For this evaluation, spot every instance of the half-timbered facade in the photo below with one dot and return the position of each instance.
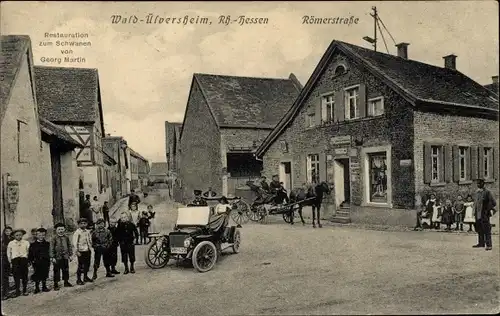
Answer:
(70, 97)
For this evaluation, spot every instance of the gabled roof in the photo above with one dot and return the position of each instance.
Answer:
(59, 134)
(417, 82)
(158, 169)
(136, 154)
(12, 50)
(67, 94)
(247, 101)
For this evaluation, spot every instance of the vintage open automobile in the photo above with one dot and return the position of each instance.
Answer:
(198, 236)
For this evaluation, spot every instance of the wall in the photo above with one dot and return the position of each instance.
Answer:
(70, 177)
(34, 175)
(452, 130)
(200, 161)
(90, 183)
(393, 129)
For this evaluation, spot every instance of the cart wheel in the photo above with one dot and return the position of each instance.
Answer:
(241, 213)
(204, 256)
(253, 214)
(157, 255)
(236, 241)
(262, 212)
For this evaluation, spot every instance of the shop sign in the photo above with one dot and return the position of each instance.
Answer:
(340, 151)
(340, 140)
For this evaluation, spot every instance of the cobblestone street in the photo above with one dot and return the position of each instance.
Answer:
(285, 269)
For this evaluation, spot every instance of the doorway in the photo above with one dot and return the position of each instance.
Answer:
(342, 181)
(286, 175)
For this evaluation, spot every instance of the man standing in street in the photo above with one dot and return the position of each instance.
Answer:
(484, 208)
(133, 198)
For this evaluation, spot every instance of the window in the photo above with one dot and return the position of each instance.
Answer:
(327, 104)
(351, 102)
(487, 163)
(462, 163)
(310, 118)
(22, 141)
(376, 106)
(339, 70)
(378, 177)
(313, 168)
(436, 163)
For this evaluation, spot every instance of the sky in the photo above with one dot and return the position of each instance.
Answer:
(145, 70)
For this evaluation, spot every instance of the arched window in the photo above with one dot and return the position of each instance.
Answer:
(339, 70)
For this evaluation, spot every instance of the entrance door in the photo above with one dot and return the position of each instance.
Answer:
(342, 182)
(57, 199)
(286, 175)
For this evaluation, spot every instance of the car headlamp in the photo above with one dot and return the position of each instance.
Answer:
(187, 242)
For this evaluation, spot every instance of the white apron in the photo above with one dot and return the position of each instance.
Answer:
(436, 216)
(469, 213)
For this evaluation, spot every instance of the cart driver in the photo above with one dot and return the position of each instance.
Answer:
(198, 200)
(278, 189)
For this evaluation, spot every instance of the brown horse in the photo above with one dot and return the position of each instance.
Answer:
(316, 193)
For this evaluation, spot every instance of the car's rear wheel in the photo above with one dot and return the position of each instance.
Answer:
(157, 255)
(204, 256)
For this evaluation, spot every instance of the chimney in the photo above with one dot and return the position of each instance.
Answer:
(295, 81)
(450, 62)
(495, 79)
(403, 50)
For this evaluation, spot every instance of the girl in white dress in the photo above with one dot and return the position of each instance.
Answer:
(469, 212)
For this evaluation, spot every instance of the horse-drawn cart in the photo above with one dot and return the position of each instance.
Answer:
(260, 212)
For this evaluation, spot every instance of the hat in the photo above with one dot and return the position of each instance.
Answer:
(59, 225)
(82, 220)
(41, 230)
(99, 221)
(197, 192)
(19, 230)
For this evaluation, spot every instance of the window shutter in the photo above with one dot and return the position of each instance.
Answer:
(427, 163)
(339, 110)
(308, 170)
(323, 110)
(362, 101)
(495, 163)
(456, 164)
(480, 164)
(322, 167)
(448, 164)
(442, 163)
(318, 111)
(473, 162)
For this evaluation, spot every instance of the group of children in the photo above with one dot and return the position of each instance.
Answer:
(435, 213)
(40, 253)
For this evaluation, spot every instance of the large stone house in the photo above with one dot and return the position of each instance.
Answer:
(158, 172)
(139, 169)
(39, 177)
(71, 98)
(172, 146)
(226, 119)
(385, 130)
(117, 148)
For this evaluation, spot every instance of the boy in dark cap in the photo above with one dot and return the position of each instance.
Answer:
(17, 253)
(113, 251)
(82, 243)
(39, 257)
(198, 200)
(101, 242)
(61, 253)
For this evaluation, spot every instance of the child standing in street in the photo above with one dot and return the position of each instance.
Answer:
(151, 216)
(39, 257)
(61, 252)
(143, 227)
(82, 242)
(101, 241)
(127, 233)
(448, 215)
(105, 212)
(17, 253)
(469, 217)
(32, 237)
(459, 210)
(113, 251)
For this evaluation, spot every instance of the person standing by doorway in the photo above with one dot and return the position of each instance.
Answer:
(484, 208)
(133, 198)
(85, 209)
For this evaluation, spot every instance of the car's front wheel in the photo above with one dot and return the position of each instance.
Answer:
(204, 256)
(157, 255)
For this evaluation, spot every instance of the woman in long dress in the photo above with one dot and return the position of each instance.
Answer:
(469, 212)
(436, 214)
